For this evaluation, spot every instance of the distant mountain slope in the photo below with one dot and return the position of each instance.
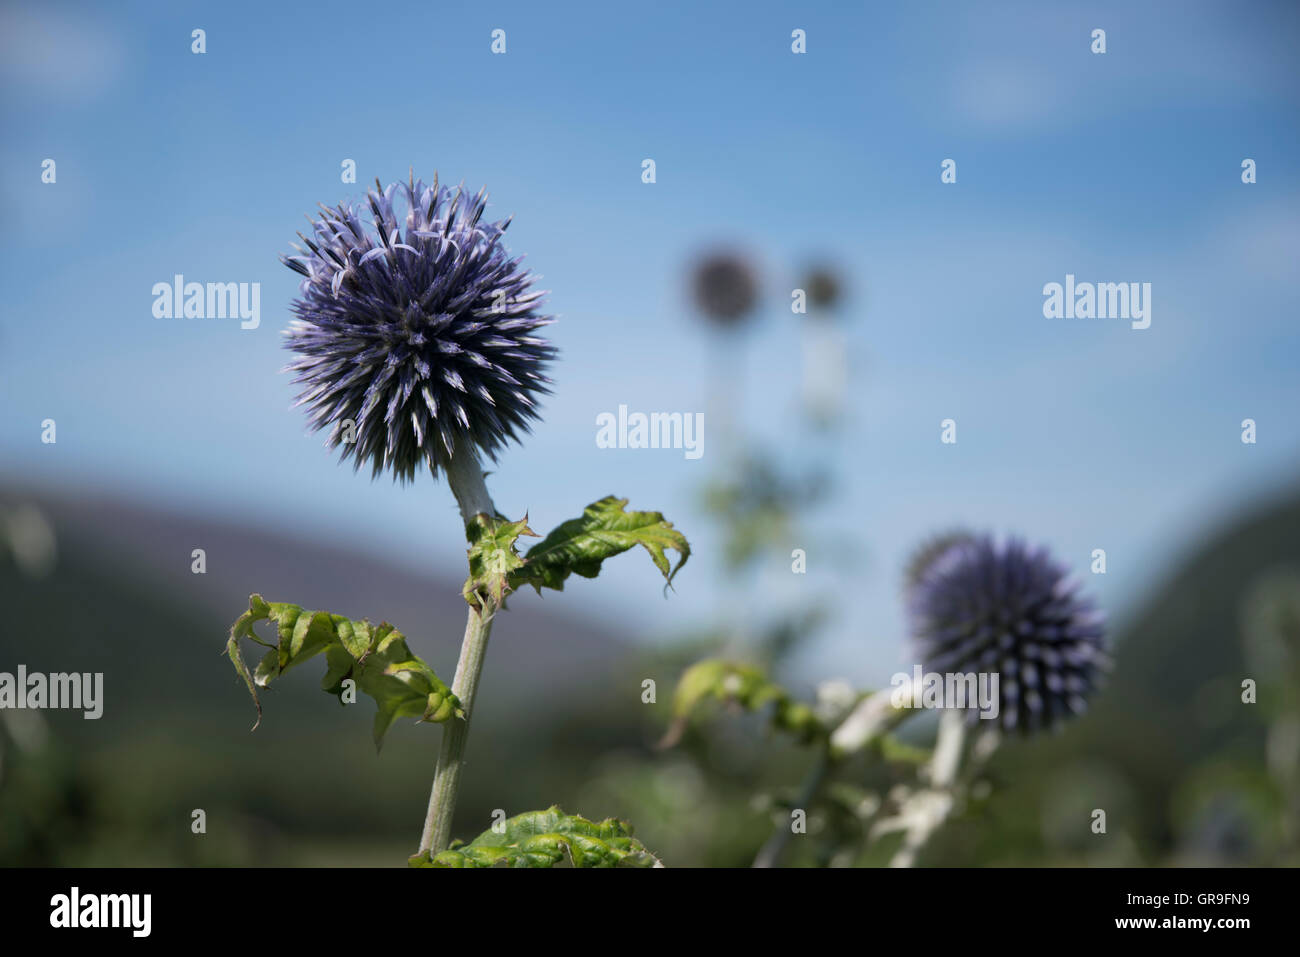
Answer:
(307, 786)
(108, 539)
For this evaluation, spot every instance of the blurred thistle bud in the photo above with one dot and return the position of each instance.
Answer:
(824, 289)
(421, 336)
(725, 288)
(835, 699)
(977, 605)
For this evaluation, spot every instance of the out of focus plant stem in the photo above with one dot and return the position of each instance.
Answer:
(770, 853)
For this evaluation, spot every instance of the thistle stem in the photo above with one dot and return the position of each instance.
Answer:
(937, 803)
(770, 853)
(465, 476)
(873, 717)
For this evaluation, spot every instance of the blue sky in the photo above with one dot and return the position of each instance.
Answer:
(1078, 433)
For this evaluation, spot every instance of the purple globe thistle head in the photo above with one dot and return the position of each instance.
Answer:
(725, 287)
(977, 605)
(415, 341)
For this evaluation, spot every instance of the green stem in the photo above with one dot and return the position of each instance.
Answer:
(451, 757)
(465, 476)
(873, 717)
(770, 853)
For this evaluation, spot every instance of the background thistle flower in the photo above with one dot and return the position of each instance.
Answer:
(725, 287)
(823, 287)
(422, 336)
(978, 605)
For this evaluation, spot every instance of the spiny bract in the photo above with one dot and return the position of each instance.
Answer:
(983, 606)
(412, 342)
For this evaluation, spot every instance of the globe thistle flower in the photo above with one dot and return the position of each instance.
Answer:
(420, 335)
(823, 287)
(725, 287)
(978, 605)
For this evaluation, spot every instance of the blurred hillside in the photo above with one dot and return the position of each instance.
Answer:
(1181, 766)
(121, 599)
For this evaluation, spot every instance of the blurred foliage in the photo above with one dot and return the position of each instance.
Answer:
(746, 687)
(756, 506)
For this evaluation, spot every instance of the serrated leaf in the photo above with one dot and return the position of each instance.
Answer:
(376, 657)
(743, 685)
(492, 558)
(547, 838)
(580, 545)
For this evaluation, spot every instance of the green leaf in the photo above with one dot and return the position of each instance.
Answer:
(492, 558)
(376, 657)
(547, 838)
(757, 505)
(580, 545)
(889, 748)
(743, 685)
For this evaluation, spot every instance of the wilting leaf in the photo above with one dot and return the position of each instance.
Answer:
(492, 558)
(743, 685)
(374, 656)
(580, 545)
(547, 838)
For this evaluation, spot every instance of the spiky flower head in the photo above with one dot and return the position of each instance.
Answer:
(978, 605)
(725, 287)
(415, 341)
